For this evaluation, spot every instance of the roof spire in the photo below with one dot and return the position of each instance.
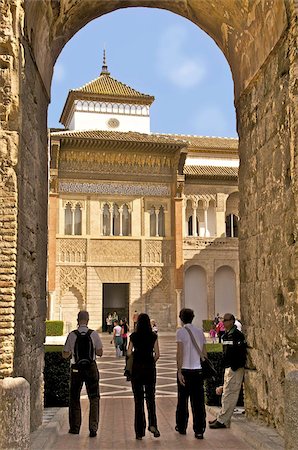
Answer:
(104, 70)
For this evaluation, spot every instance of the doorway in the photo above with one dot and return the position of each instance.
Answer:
(115, 298)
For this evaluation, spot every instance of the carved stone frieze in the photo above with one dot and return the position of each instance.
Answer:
(158, 251)
(114, 251)
(71, 250)
(103, 161)
(143, 189)
(72, 277)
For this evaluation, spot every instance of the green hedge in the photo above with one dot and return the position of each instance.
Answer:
(56, 377)
(211, 398)
(54, 328)
(207, 325)
(215, 356)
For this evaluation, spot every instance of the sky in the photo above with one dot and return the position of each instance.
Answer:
(159, 53)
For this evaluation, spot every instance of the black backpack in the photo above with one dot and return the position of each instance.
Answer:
(83, 349)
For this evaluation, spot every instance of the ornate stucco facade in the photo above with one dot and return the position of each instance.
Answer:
(138, 221)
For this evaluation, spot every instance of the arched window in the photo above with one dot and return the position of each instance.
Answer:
(161, 222)
(78, 220)
(152, 222)
(133, 109)
(116, 220)
(211, 218)
(188, 218)
(190, 226)
(68, 219)
(85, 106)
(232, 225)
(106, 220)
(126, 221)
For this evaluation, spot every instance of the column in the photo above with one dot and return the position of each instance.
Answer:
(72, 221)
(100, 221)
(178, 303)
(232, 225)
(194, 222)
(156, 222)
(205, 221)
(121, 220)
(111, 209)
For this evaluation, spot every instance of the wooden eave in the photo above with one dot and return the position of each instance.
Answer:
(88, 96)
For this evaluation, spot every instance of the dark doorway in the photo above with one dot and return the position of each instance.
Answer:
(115, 298)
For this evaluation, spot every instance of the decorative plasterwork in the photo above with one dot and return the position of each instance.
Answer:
(205, 199)
(117, 274)
(109, 251)
(156, 204)
(160, 190)
(75, 159)
(73, 203)
(158, 252)
(158, 276)
(71, 250)
(72, 277)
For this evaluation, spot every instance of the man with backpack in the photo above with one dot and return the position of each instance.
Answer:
(83, 345)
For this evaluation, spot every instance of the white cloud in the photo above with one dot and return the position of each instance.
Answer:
(180, 68)
(210, 121)
(59, 73)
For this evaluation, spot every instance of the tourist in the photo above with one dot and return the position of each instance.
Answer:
(154, 326)
(144, 346)
(220, 329)
(135, 319)
(124, 334)
(234, 356)
(189, 375)
(238, 324)
(109, 322)
(212, 334)
(82, 345)
(117, 338)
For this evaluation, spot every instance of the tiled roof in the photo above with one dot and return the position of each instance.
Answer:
(108, 86)
(206, 142)
(211, 171)
(130, 136)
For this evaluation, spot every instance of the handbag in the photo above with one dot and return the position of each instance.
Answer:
(208, 370)
(128, 367)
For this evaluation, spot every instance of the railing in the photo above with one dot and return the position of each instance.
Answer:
(194, 243)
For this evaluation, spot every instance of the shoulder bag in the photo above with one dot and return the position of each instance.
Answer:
(207, 366)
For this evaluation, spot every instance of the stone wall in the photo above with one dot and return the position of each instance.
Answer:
(32, 186)
(267, 244)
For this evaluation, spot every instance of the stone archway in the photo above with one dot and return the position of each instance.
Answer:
(259, 41)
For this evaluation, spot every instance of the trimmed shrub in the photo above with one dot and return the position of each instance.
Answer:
(207, 325)
(56, 377)
(211, 398)
(215, 355)
(54, 328)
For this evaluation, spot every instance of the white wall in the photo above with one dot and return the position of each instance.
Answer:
(225, 291)
(196, 293)
(99, 121)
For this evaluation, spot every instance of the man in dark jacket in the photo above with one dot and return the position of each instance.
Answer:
(234, 356)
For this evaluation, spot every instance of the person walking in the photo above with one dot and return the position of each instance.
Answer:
(124, 334)
(117, 338)
(82, 345)
(234, 357)
(189, 376)
(144, 346)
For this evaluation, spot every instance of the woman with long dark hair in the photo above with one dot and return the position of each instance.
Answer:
(144, 346)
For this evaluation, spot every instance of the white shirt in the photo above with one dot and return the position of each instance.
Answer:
(238, 325)
(117, 329)
(191, 358)
(71, 339)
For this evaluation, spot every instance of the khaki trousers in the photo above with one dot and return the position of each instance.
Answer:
(231, 389)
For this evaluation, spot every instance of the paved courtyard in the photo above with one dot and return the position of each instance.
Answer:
(117, 412)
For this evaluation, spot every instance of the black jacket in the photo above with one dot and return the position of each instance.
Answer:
(234, 349)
